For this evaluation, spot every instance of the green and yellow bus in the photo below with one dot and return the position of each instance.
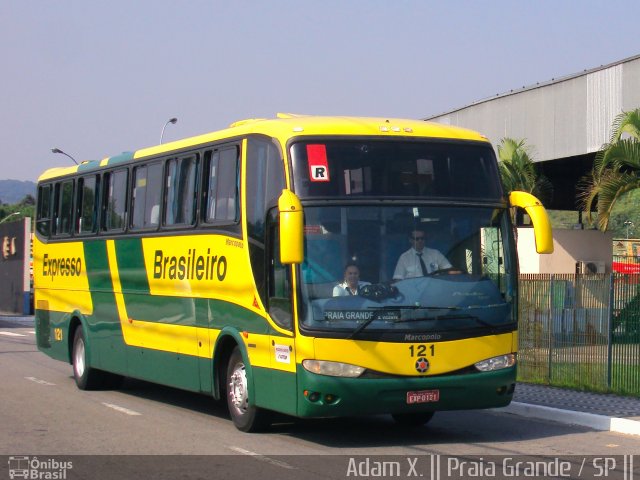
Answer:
(211, 264)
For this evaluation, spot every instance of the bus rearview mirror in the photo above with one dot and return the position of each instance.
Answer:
(291, 228)
(539, 219)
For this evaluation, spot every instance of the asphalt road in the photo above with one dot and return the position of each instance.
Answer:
(43, 414)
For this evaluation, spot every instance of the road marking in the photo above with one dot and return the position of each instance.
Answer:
(263, 458)
(32, 332)
(120, 409)
(37, 380)
(11, 334)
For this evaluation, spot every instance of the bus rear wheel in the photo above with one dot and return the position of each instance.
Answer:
(412, 419)
(86, 377)
(246, 417)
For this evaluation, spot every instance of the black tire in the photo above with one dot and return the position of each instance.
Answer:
(246, 417)
(413, 419)
(88, 378)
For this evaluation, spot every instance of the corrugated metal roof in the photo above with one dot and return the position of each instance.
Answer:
(564, 117)
(553, 81)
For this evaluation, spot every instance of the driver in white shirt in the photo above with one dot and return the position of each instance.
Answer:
(419, 261)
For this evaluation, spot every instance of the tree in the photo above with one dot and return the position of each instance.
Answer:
(616, 168)
(26, 208)
(518, 171)
(28, 200)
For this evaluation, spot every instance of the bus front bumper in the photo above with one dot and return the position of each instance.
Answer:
(325, 396)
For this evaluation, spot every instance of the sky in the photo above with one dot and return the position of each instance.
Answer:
(96, 78)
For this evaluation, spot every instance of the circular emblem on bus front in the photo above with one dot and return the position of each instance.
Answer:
(422, 365)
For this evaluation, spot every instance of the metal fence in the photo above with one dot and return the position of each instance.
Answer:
(580, 331)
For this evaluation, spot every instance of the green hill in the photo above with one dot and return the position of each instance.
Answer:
(12, 191)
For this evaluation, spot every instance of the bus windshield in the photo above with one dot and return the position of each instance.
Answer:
(347, 168)
(445, 272)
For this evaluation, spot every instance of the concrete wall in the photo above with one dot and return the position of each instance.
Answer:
(570, 246)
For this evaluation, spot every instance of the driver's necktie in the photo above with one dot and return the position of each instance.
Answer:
(422, 265)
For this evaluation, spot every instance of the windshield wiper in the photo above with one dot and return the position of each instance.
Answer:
(368, 321)
(373, 317)
(362, 326)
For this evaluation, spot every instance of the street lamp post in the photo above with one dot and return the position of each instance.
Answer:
(173, 120)
(57, 150)
(628, 224)
(9, 216)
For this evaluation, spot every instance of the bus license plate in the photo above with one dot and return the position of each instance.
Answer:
(423, 396)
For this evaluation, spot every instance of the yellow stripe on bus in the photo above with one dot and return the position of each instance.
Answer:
(400, 358)
(181, 339)
(60, 277)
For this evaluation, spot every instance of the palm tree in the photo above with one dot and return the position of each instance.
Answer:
(616, 168)
(518, 171)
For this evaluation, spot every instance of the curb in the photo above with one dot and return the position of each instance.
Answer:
(591, 420)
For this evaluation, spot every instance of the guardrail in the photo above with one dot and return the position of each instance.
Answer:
(580, 331)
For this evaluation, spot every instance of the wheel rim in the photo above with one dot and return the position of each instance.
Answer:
(238, 393)
(78, 358)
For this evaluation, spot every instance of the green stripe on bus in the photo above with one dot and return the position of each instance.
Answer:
(123, 157)
(163, 309)
(105, 332)
(190, 312)
(97, 264)
(133, 276)
(88, 165)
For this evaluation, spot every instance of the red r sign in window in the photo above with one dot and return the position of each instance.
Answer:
(318, 165)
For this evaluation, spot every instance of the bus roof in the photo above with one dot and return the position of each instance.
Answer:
(286, 126)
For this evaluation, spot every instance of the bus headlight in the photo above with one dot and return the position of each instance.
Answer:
(332, 369)
(497, 363)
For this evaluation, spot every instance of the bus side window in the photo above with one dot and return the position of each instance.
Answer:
(63, 210)
(145, 202)
(228, 205)
(264, 183)
(212, 159)
(86, 205)
(43, 215)
(115, 201)
(221, 189)
(181, 190)
(279, 280)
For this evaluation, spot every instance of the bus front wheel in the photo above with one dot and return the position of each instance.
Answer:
(246, 417)
(413, 419)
